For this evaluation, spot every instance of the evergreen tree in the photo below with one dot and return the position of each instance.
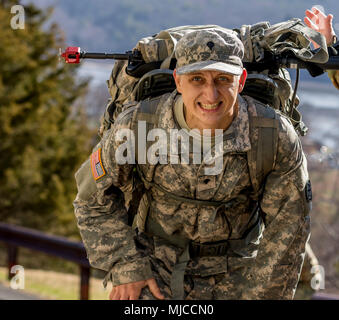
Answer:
(43, 138)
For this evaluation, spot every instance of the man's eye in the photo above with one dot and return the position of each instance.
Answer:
(225, 79)
(196, 79)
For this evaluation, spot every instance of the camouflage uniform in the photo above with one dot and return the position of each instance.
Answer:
(267, 268)
(112, 246)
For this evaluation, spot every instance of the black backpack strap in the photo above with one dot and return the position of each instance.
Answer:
(146, 111)
(264, 140)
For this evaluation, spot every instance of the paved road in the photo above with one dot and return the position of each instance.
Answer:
(10, 294)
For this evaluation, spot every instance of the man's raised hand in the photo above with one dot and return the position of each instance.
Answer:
(318, 21)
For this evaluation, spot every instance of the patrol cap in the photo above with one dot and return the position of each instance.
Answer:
(211, 49)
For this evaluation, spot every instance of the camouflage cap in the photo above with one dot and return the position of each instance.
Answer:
(212, 49)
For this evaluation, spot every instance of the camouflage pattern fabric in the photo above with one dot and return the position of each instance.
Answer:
(272, 268)
(161, 45)
(120, 86)
(296, 39)
(290, 35)
(219, 50)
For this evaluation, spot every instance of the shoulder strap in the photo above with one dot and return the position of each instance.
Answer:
(264, 140)
(147, 111)
(144, 120)
(263, 133)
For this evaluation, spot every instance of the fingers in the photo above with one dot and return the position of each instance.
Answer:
(114, 295)
(118, 293)
(135, 294)
(128, 291)
(330, 18)
(311, 24)
(155, 289)
(311, 20)
(132, 291)
(316, 15)
(125, 293)
(318, 12)
(311, 15)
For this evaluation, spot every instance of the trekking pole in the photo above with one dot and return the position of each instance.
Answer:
(74, 54)
(137, 67)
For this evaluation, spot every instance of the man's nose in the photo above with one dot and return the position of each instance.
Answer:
(211, 93)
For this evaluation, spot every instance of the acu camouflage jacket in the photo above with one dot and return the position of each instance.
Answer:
(110, 242)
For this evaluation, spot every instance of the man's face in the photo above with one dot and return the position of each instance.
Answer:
(210, 98)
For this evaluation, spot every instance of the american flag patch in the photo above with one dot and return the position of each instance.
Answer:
(98, 170)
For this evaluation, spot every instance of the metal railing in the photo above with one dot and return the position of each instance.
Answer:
(16, 236)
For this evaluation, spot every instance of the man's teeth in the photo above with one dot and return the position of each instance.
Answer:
(209, 106)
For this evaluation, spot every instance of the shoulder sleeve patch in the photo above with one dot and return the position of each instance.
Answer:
(97, 167)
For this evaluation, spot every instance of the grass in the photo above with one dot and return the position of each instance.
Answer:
(60, 286)
(57, 286)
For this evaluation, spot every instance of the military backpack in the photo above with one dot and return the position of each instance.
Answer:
(269, 85)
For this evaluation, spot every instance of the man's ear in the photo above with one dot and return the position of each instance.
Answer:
(177, 80)
(242, 80)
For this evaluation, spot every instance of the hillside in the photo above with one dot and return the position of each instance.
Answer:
(112, 25)
(115, 25)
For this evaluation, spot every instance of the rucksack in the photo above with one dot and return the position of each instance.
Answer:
(266, 82)
(270, 86)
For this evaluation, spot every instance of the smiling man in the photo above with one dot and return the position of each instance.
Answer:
(210, 87)
(237, 234)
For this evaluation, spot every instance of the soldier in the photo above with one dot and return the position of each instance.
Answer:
(322, 23)
(235, 233)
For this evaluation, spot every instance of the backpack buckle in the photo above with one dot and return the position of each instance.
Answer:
(211, 249)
